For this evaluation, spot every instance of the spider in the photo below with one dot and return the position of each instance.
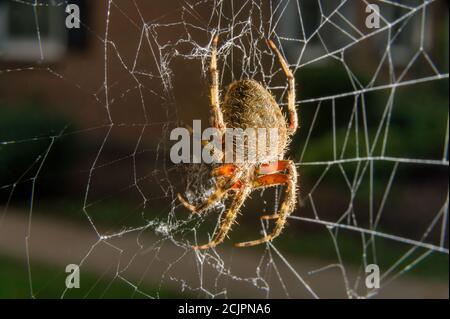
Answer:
(248, 104)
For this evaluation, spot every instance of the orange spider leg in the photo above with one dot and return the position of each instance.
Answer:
(226, 170)
(238, 185)
(271, 180)
(273, 167)
(267, 217)
(287, 206)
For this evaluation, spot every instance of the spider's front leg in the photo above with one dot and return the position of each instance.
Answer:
(293, 117)
(288, 205)
(214, 90)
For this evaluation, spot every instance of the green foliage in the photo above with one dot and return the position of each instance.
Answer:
(419, 121)
(434, 267)
(415, 128)
(49, 282)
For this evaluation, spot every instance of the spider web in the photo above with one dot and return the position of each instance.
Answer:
(141, 91)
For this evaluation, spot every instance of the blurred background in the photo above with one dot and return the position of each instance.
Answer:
(85, 176)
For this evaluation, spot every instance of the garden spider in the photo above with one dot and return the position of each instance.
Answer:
(247, 104)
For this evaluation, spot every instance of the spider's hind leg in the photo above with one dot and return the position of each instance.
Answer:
(287, 206)
(229, 219)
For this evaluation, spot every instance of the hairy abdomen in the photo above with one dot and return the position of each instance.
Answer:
(247, 104)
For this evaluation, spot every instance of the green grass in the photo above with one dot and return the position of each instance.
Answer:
(48, 282)
(434, 267)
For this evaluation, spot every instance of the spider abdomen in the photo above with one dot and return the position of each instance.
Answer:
(247, 104)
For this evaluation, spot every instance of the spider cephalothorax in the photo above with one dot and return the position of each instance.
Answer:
(247, 104)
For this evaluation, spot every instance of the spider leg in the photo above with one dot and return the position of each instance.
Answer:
(211, 200)
(293, 118)
(218, 194)
(268, 217)
(287, 206)
(273, 167)
(271, 180)
(221, 190)
(214, 89)
(226, 170)
(229, 219)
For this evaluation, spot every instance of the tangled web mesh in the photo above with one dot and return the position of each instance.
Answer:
(354, 172)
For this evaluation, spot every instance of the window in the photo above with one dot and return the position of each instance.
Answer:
(31, 32)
